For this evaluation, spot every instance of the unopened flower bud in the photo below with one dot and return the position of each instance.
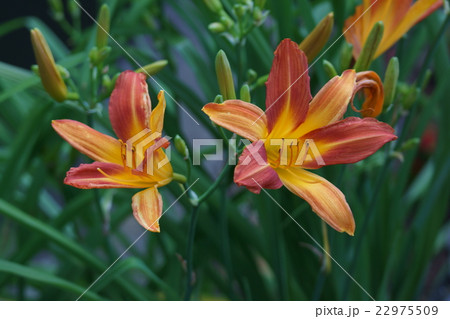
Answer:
(216, 27)
(329, 69)
(251, 75)
(226, 20)
(180, 146)
(57, 9)
(35, 69)
(245, 93)
(261, 80)
(103, 26)
(346, 56)
(106, 81)
(409, 144)
(318, 37)
(218, 99)
(224, 76)
(260, 3)
(63, 72)
(97, 56)
(49, 73)
(240, 10)
(153, 68)
(257, 15)
(74, 9)
(390, 81)
(370, 47)
(214, 5)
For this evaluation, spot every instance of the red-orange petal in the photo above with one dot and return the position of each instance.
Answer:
(326, 200)
(288, 91)
(348, 141)
(244, 119)
(96, 145)
(147, 208)
(253, 171)
(129, 105)
(108, 175)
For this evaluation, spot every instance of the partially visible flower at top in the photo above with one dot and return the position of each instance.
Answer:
(398, 16)
(49, 73)
(293, 117)
(119, 164)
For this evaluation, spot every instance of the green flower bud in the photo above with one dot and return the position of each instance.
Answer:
(218, 99)
(390, 82)
(370, 47)
(103, 26)
(346, 56)
(258, 16)
(245, 93)
(260, 3)
(57, 9)
(216, 27)
(409, 144)
(97, 56)
(106, 81)
(251, 75)
(74, 9)
(214, 5)
(224, 76)
(180, 146)
(261, 80)
(240, 10)
(329, 69)
(35, 69)
(226, 20)
(153, 68)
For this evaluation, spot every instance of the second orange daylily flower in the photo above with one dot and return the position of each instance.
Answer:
(119, 164)
(398, 17)
(292, 118)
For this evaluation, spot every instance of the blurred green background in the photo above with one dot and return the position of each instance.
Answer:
(55, 240)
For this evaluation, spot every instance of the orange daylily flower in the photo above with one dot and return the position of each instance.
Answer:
(292, 116)
(398, 17)
(119, 164)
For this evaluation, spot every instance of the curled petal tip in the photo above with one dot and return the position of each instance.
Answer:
(372, 87)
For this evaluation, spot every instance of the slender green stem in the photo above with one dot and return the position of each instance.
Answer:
(225, 241)
(326, 246)
(190, 252)
(240, 59)
(214, 185)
